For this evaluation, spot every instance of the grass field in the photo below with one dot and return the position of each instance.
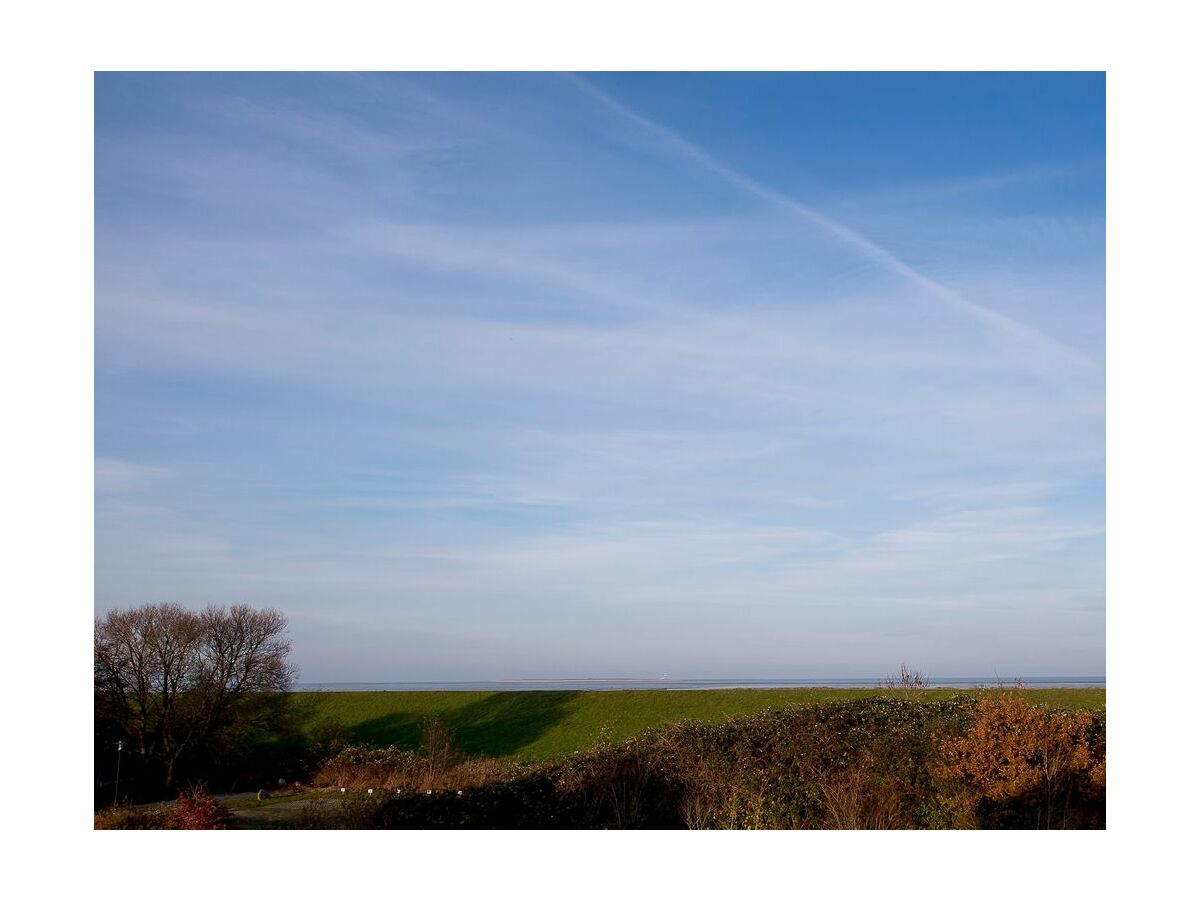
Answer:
(539, 725)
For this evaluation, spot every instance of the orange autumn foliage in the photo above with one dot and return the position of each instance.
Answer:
(1015, 751)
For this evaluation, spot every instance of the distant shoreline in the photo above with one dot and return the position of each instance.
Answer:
(694, 684)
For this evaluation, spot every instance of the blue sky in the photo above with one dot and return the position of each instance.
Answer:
(490, 376)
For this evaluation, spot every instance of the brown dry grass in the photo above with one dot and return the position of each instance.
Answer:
(439, 765)
(130, 818)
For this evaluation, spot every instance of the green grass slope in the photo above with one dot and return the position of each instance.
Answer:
(540, 725)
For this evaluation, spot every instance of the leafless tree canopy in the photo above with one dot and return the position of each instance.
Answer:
(907, 680)
(174, 678)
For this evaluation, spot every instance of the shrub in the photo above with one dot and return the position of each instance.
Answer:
(328, 739)
(196, 810)
(906, 681)
(874, 763)
(389, 768)
(438, 748)
(628, 785)
(364, 767)
(1019, 762)
(862, 764)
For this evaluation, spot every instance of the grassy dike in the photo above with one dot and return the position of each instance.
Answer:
(543, 725)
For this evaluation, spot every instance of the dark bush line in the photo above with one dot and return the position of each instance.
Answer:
(999, 761)
(243, 759)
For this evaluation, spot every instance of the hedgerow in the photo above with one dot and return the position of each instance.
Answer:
(872, 763)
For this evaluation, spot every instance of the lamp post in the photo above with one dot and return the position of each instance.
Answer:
(117, 783)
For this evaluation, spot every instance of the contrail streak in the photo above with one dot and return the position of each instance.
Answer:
(1041, 345)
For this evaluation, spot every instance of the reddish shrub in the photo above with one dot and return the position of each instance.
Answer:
(197, 810)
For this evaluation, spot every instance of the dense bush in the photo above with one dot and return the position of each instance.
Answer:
(886, 762)
(437, 766)
(1021, 764)
(195, 810)
(876, 763)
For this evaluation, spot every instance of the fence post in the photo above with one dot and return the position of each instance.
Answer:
(117, 783)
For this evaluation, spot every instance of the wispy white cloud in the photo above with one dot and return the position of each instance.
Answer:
(501, 384)
(954, 188)
(114, 476)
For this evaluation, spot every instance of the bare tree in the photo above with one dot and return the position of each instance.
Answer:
(906, 681)
(172, 679)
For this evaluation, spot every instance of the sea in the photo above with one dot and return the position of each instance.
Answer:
(690, 684)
